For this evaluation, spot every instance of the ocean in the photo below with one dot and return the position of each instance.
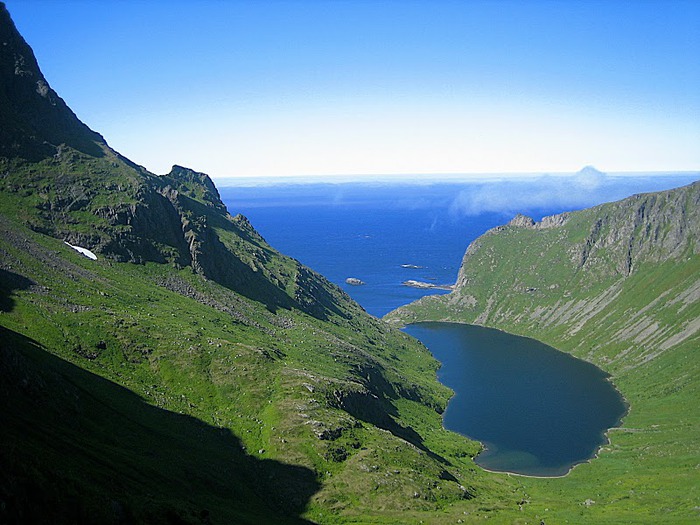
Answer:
(382, 236)
(385, 234)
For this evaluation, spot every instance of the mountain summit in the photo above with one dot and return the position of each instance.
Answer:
(34, 120)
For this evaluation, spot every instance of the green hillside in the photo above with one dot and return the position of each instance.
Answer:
(192, 373)
(617, 285)
(152, 390)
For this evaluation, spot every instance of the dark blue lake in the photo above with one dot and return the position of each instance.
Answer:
(538, 411)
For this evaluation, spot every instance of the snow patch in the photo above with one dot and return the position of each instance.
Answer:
(87, 253)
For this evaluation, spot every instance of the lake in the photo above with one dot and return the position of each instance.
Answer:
(538, 411)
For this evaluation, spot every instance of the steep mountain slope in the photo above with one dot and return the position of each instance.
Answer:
(618, 285)
(34, 117)
(78, 189)
(191, 373)
(627, 269)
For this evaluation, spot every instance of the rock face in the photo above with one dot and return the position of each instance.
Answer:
(34, 120)
(610, 239)
(195, 185)
(522, 221)
(551, 221)
(651, 228)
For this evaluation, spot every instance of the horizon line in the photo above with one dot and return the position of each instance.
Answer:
(432, 178)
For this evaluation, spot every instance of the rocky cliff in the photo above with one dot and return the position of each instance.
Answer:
(34, 120)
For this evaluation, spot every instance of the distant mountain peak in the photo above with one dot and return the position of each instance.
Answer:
(590, 178)
(590, 170)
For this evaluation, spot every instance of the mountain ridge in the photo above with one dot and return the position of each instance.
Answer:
(35, 120)
(191, 373)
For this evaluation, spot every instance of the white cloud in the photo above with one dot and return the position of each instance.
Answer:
(584, 188)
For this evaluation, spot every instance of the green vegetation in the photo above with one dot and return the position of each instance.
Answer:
(617, 285)
(193, 374)
(149, 374)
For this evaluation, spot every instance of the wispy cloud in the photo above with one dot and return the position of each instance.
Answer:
(585, 188)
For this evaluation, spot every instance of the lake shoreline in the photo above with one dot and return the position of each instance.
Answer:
(604, 436)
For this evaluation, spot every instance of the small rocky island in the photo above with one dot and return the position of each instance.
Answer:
(354, 281)
(421, 284)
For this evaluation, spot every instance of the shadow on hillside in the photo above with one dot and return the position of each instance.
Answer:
(9, 282)
(78, 448)
(375, 406)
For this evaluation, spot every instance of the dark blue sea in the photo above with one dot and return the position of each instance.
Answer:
(369, 231)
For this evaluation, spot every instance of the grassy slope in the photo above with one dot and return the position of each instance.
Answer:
(336, 420)
(149, 392)
(638, 323)
(281, 378)
(215, 375)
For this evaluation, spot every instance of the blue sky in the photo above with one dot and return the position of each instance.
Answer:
(257, 88)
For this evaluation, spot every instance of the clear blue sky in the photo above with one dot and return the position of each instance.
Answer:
(258, 88)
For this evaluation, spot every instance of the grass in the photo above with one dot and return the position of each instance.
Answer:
(160, 359)
(333, 419)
